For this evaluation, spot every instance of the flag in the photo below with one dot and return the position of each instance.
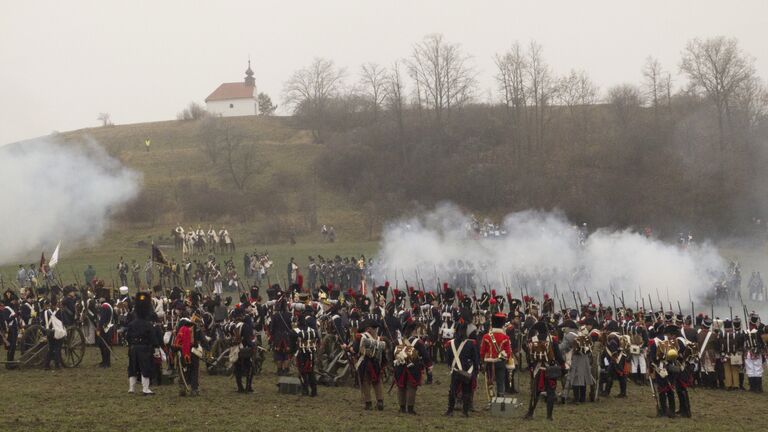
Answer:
(54, 257)
(42, 262)
(157, 255)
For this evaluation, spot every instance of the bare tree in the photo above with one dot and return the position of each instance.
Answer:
(578, 93)
(717, 67)
(193, 111)
(239, 155)
(577, 90)
(442, 75)
(541, 89)
(209, 132)
(653, 84)
(510, 76)
(626, 99)
(373, 82)
(309, 91)
(395, 100)
(105, 118)
(750, 101)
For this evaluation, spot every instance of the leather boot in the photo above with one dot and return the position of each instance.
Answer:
(686, 402)
(402, 409)
(662, 405)
(239, 382)
(451, 403)
(368, 406)
(671, 404)
(550, 407)
(411, 410)
(249, 383)
(380, 405)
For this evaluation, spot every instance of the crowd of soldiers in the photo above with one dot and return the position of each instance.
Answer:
(334, 329)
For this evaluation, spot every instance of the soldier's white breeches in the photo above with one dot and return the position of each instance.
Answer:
(638, 363)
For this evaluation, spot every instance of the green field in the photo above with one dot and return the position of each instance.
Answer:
(89, 398)
(105, 256)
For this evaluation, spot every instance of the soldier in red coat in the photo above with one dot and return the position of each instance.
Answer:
(496, 353)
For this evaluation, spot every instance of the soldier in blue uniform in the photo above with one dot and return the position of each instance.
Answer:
(142, 341)
(464, 356)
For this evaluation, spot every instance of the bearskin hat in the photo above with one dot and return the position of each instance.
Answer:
(143, 305)
(409, 324)
(484, 300)
(612, 326)
(737, 323)
(389, 308)
(414, 295)
(590, 322)
(365, 304)
(498, 320)
(272, 292)
(540, 327)
(448, 294)
(429, 297)
(699, 319)
(549, 304)
(381, 291)
(399, 296)
(333, 294)
(499, 302)
(176, 293)
(672, 329)
(754, 318)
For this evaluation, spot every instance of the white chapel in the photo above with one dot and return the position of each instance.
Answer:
(234, 99)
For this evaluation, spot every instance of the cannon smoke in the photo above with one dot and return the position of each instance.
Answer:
(543, 249)
(54, 191)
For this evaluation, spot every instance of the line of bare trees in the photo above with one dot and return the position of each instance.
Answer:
(416, 128)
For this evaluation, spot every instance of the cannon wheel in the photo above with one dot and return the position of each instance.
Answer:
(33, 336)
(216, 365)
(73, 349)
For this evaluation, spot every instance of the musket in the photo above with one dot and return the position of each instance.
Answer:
(650, 303)
(576, 304)
(680, 310)
(581, 304)
(654, 394)
(658, 296)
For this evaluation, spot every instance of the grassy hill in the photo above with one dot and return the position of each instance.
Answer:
(176, 171)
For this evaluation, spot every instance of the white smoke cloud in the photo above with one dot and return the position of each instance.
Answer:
(542, 249)
(54, 191)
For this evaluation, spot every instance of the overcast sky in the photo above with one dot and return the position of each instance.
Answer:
(63, 62)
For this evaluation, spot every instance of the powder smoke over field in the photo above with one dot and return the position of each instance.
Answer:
(58, 191)
(541, 250)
